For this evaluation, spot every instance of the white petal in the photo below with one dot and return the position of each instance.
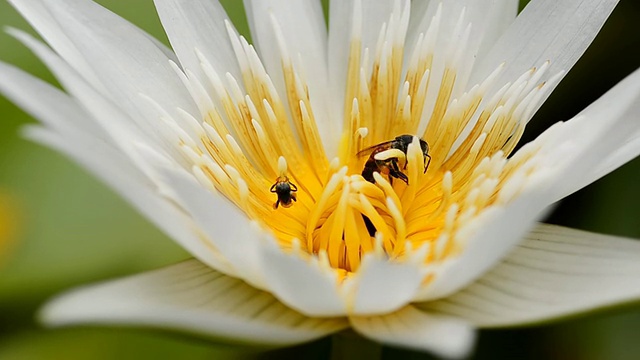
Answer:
(120, 167)
(453, 47)
(198, 24)
(124, 130)
(546, 30)
(224, 225)
(571, 153)
(410, 327)
(489, 19)
(628, 150)
(126, 62)
(108, 162)
(302, 27)
(192, 298)
(122, 176)
(305, 285)
(37, 14)
(494, 234)
(382, 286)
(601, 138)
(556, 272)
(70, 79)
(341, 17)
(502, 14)
(45, 102)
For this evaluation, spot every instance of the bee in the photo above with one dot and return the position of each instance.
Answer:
(286, 192)
(384, 160)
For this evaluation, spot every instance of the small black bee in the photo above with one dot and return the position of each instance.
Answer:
(390, 166)
(286, 192)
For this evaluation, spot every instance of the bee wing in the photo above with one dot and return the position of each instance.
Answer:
(382, 146)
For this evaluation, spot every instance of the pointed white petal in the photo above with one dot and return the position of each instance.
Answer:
(124, 130)
(198, 24)
(459, 31)
(127, 62)
(494, 234)
(303, 32)
(570, 154)
(109, 162)
(599, 139)
(382, 286)
(630, 149)
(301, 284)
(224, 225)
(305, 285)
(546, 30)
(501, 15)
(418, 12)
(489, 19)
(412, 328)
(189, 297)
(37, 14)
(45, 102)
(341, 24)
(117, 171)
(556, 272)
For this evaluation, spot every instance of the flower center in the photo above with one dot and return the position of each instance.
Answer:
(260, 147)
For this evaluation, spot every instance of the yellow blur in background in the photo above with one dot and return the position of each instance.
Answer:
(9, 215)
(59, 227)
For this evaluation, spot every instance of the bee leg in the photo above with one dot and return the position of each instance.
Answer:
(396, 173)
(275, 205)
(426, 166)
(371, 229)
(294, 197)
(403, 177)
(394, 166)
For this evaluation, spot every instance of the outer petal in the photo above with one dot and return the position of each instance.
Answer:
(546, 30)
(53, 107)
(493, 235)
(301, 27)
(189, 297)
(569, 152)
(37, 14)
(382, 286)
(556, 272)
(609, 128)
(116, 171)
(102, 157)
(126, 62)
(224, 226)
(409, 327)
(488, 20)
(503, 14)
(198, 24)
(122, 128)
(371, 16)
(306, 285)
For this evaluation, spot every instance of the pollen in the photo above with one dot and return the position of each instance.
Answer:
(416, 200)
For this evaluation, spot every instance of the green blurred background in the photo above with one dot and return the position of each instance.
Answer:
(72, 230)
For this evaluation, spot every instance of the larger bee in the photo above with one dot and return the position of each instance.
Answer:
(386, 162)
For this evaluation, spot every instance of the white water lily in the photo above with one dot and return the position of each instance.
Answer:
(195, 140)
